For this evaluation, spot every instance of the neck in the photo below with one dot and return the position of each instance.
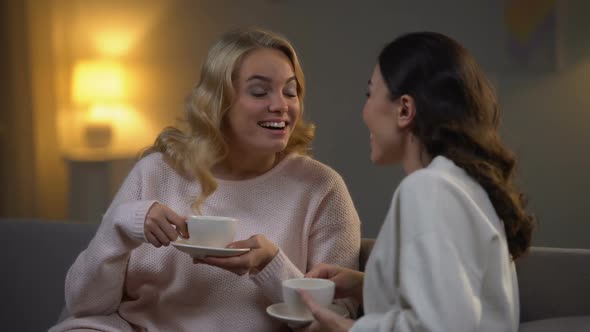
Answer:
(415, 156)
(242, 166)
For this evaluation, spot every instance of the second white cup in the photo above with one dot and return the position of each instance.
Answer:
(321, 290)
(209, 231)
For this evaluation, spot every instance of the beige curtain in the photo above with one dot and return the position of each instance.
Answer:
(32, 174)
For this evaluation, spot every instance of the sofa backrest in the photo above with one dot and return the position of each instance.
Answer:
(35, 257)
(554, 282)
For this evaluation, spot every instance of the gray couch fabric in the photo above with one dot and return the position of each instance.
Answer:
(565, 324)
(554, 283)
(35, 259)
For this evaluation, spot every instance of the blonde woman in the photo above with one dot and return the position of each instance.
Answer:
(242, 155)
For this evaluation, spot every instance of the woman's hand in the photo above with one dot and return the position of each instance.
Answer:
(324, 319)
(163, 225)
(349, 283)
(262, 251)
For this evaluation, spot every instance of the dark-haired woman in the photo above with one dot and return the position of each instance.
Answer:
(444, 258)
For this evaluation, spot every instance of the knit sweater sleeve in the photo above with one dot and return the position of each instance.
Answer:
(335, 234)
(334, 238)
(94, 283)
(437, 283)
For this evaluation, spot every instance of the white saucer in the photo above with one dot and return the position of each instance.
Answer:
(281, 312)
(201, 252)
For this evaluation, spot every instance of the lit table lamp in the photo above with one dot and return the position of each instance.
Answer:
(99, 89)
(98, 86)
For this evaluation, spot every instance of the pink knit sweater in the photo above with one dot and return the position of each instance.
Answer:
(122, 283)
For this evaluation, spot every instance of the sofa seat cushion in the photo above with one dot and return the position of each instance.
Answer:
(569, 324)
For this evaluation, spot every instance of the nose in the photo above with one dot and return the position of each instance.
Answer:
(278, 104)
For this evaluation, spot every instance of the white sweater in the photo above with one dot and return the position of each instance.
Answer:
(441, 261)
(122, 283)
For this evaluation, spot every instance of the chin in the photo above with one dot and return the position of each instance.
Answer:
(378, 162)
(375, 159)
(275, 148)
(381, 160)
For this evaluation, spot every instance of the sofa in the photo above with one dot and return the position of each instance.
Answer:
(554, 283)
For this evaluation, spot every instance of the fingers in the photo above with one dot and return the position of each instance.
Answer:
(159, 225)
(240, 244)
(161, 236)
(153, 240)
(316, 272)
(325, 319)
(253, 242)
(237, 264)
(179, 222)
(323, 271)
(307, 299)
(226, 262)
(169, 231)
(262, 251)
(313, 327)
(323, 315)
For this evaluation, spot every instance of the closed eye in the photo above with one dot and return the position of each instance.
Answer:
(258, 91)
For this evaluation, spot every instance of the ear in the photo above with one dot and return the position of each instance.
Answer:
(406, 111)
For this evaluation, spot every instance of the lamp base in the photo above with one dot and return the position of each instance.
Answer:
(98, 135)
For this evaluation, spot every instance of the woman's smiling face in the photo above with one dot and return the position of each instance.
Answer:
(380, 116)
(266, 106)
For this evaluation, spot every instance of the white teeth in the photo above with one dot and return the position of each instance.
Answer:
(270, 124)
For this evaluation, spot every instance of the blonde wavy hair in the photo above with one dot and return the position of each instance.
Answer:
(194, 150)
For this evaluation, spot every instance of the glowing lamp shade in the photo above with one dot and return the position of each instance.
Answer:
(98, 82)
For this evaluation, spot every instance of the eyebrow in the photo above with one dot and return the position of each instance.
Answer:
(268, 79)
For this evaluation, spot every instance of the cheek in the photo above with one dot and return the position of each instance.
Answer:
(381, 126)
(293, 115)
(250, 106)
(369, 116)
(243, 110)
(237, 118)
(295, 109)
(235, 115)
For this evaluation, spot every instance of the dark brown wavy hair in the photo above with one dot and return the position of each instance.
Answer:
(457, 116)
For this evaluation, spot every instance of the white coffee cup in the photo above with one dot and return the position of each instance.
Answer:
(210, 231)
(321, 290)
